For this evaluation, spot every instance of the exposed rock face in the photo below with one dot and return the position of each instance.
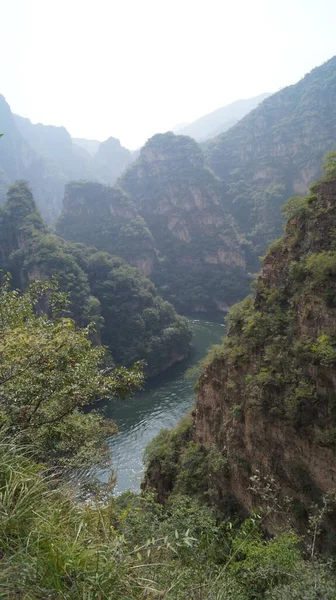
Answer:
(103, 217)
(202, 260)
(267, 403)
(276, 151)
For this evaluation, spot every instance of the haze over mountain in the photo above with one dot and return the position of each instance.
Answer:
(195, 234)
(218, 121)
(276, 151)
(91, 146)
(47, 157)
(242, 498)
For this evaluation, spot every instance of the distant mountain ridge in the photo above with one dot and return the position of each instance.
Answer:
(275, 152)
(90, 146)
(48, 158)
(218, 121)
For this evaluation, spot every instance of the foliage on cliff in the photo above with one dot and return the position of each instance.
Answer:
(202, 263)
(129, 315)
(275, 152)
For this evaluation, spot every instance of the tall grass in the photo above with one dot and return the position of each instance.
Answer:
(54, 547)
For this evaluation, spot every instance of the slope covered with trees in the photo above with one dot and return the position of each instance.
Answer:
(275, 152)
(130, 316)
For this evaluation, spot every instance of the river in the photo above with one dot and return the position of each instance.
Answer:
(161, 404)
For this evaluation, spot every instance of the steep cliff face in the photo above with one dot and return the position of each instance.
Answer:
(268, 401)
(103, 217)
(266, 398)
(202, 264)
(276, 151)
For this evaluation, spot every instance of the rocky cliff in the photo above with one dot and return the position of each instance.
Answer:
(202, 261)
(266, 398)
(276, 151)
(268, 402)
(104, 217)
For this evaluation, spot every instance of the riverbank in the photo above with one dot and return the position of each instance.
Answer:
(164, 401)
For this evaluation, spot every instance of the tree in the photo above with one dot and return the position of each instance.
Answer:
(329, 167)
(49, 372)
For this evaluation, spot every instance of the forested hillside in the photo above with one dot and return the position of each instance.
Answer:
(275, 152)
(130, 317)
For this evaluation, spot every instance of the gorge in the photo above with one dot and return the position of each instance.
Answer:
(218, 487)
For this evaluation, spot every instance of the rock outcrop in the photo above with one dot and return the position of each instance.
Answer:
(202, 260)
(104, 217)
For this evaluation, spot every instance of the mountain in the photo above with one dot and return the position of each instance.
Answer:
(48, 158)
(266, 397)
(219, 120)
(275, 152)
(202, 260)
(129, 315)
(104, 217)
(90, 146)
(111, 159)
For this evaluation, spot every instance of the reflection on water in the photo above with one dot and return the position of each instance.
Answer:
(162, 404)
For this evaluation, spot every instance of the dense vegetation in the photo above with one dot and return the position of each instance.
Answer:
(275, 152)
(202, 263)
(130, 317)
(54, 545)
(49, 373)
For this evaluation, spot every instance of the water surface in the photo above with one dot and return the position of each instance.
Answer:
(163, 402)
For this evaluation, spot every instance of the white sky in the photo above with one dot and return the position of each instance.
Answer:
(131, 68)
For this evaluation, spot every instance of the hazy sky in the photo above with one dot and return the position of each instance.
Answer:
(131, 68)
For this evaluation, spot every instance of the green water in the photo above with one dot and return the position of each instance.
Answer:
(161, 404)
